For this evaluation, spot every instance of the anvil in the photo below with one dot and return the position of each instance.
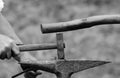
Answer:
(62, 68)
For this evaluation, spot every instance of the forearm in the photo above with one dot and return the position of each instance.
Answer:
(6, 29)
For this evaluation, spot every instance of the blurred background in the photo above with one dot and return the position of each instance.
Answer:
(96, 43)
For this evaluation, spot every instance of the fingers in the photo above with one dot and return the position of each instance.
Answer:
(15, 49)
(8, 48)
(32, 74)
(3, 55)
(9, 51)
(15, 52)
(6, 53)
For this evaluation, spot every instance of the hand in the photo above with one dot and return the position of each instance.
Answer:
(32, 74)
(26, 57)
(8, 48)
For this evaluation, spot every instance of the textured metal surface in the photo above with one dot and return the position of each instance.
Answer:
(60, 46)
(63, 68)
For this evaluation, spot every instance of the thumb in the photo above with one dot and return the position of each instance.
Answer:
(15, 49)
(15, 52)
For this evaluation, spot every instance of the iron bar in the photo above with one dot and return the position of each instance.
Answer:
(60, 46)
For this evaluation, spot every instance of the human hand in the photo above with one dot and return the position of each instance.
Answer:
(8, 48)
(26, 57)
(32, 74)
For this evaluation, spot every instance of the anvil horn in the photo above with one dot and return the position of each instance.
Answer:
(87, 64)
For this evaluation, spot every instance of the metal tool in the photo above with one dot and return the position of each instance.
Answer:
(62, 68)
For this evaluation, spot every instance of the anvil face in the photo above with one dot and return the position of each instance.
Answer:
(64, 66)
(72, 66)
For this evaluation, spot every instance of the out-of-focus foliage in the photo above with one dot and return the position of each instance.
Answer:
(97, 43)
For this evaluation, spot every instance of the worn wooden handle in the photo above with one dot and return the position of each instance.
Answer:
(80, 23)
(33, 47)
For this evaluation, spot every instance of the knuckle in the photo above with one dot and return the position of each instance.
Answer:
(6, 45)
(3, 55)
